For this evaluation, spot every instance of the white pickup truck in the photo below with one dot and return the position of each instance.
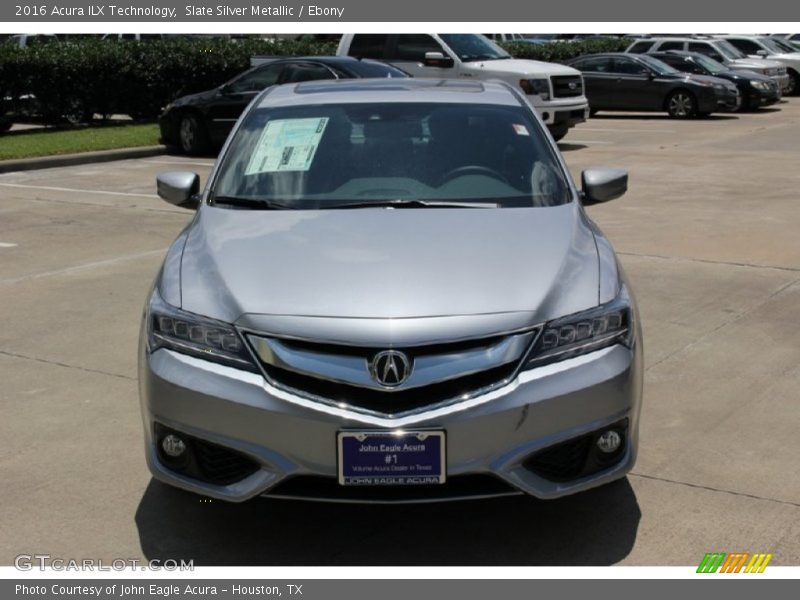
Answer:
(555, 91)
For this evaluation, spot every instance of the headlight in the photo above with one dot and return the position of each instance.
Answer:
(539, 87)
(170, 327)
(759, 85)
(597, 328)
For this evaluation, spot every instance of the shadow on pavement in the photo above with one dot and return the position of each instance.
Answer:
(660, 117)
(567, 147)
(597, 527)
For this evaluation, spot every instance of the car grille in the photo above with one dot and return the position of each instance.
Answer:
(567, 86)
(327, 488)
(340, 375)
(221, 466)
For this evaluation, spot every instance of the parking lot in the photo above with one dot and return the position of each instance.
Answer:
(708, 234)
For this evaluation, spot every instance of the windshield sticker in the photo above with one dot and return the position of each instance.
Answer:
(287, 145)
(520, 129)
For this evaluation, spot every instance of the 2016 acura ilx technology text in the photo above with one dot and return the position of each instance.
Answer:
(390, 291)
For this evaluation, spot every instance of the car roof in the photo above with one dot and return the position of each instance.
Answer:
(353, 91)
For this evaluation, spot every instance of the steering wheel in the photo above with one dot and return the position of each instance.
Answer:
(472, 170)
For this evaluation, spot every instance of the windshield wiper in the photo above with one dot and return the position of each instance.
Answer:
(254, 203)
(403, 203)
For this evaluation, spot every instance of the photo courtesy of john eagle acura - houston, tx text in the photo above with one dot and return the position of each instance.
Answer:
(390, 292)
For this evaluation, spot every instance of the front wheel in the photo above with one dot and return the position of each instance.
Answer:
(192, 137)
(793, 89)
(681, 105)
(558, 132)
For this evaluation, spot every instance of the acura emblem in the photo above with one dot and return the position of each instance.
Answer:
(390, 368)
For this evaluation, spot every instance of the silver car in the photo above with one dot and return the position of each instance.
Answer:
(390, 292)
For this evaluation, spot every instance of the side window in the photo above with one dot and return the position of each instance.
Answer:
(746, 46)
(641, 47)
(670, 46)
(298, 72)
(706, 49)
(257, 79)
(413, 46)
(594, 65)
(626, 66)
(368, 45)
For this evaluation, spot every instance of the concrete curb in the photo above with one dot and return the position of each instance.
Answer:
(82, 158)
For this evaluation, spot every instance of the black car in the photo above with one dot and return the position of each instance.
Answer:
(639, 82)
(196, 123)
(756, 90)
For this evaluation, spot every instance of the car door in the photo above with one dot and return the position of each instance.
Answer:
(634, 87)
(597, 80)
(407, 51)
(708, 50)
(232, 98)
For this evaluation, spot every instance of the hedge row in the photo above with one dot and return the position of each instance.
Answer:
(78, 78)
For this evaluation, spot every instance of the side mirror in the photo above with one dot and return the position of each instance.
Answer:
(762, 53)
(437, 59)
(179, 188)
(601, 184)
(226, 89)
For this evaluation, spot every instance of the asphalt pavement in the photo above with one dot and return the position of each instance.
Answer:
(708, 234)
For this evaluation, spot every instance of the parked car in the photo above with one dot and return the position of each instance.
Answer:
(516, 38)
(196, 123)
(29, 40)
(718, 49)
(638, 82)
(390, 291)
(556, 91)
(762, 46)
(755, 90)
(790, 38)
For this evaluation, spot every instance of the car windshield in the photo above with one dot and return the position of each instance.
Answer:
(729, 51)
(710, 65)
(775, 46)
(471, 47)
(404, 154)
(658, 66)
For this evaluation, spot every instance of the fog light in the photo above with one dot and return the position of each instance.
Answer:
(609, 441)
(173, 446)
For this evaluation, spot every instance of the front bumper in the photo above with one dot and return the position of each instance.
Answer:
(490, 435)
(728, 99)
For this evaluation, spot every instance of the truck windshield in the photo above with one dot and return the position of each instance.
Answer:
(470, 47)
(407, 155)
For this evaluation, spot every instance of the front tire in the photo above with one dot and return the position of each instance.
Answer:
(794, 84)
(192, 137)
(558, 132)
(681, 104)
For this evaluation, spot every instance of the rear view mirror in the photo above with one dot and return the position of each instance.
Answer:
(601, 184)
(179, 188)
(437, 59)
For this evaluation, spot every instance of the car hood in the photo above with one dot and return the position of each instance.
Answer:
(749, 63)
(199, 97)
(519, 66)
(533, 264)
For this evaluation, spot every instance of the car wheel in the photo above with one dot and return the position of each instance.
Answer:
(558, 132)
(192, 137)
(681, 105)
(793, 89)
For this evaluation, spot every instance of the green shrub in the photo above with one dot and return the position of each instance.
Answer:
(81, 77)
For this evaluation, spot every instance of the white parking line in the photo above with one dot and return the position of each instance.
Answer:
(7, 245)
(588, 142)
(84, 266)
(80, 191)
(622, 129)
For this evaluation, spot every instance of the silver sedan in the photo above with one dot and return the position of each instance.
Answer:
(390, 292)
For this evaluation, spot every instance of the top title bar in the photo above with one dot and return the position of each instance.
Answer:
(255, 11)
